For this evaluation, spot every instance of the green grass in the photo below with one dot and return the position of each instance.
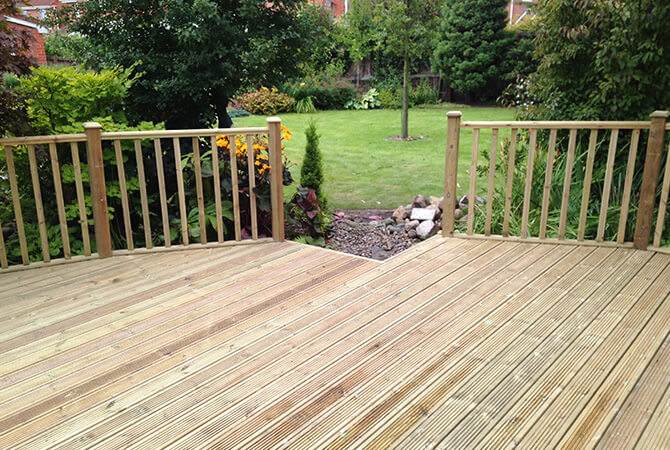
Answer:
(362, 170)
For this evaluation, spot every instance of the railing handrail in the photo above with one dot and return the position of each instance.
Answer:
(559, 124)
(657, 127)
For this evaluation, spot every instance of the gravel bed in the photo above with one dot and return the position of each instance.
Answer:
(366, 233)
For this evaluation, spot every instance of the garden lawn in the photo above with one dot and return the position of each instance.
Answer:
(363, 170)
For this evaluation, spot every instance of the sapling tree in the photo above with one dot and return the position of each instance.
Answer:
(311, 172)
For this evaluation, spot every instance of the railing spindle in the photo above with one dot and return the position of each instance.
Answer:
(473, 179)
(60, 204)
(529, 182)
(511, 157)
(492, 174)
(586, 188)
(161, 191)
(39, 205)
(252, 185)
(628, 186)
(16, 200)
(121, 171)
(567, 179)
(607, 187)
(217, 189)
(180, 190)
(81, 198)
(235, 188)
(199, 190)
(660, 218)
(142, 179)
(3, 252)
(547, 183)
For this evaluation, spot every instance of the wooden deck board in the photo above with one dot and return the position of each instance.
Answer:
(454, 343)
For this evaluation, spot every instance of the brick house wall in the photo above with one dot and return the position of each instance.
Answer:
(337, 7)
(36, 49)
(517, 9)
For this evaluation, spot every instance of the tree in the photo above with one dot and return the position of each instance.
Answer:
(358, 33)
(14, 59)
(472, 47)
(601, 60)
(193, 55)
(406, 30)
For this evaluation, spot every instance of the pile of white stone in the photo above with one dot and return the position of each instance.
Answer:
(423, 217)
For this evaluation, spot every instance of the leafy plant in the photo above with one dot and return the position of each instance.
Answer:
(327, 91)
(368, 100)
(311, 172)
(305, 105)
(305, 214)
(266, 102)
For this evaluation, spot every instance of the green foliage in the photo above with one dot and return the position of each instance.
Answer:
(472, 46)
(322, 48)
(266, 101)
(423, 94)
(193, 55)
(357, 31)
(68, 46)
(311, 172)
(56, 98)
(326, 90)
(601, 60)
(389, 99)
(305, 106)
(368, 100)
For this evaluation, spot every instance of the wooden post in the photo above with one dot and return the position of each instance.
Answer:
(276, 178)
(451, 172)
(96, 173)
(652, 167)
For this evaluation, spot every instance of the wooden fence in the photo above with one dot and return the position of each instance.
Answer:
(650, 197)
(95, 175)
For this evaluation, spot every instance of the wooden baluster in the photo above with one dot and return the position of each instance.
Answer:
(652, 167)
(586, 189)
(60, 204)
(96, 172)
(161, 190)
(39, 205)
(511, 162)
(146, 220)
(451, 172)
(252, 184)
(492, 174)
(16, 201)
(180, 191)
(3, 251)
(199, 190)
(547, 183)
(662, 206)
(607, 187)
(217, 190)
(565, 200)
(628, 186)
(529, 181)
(81, 198)
(472, 194)
(121, 171)
(276, 178)
(235, 188)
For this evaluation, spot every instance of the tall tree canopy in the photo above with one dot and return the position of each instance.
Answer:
(406, 29)
(193, 55)
(472, 46)
(601, 59)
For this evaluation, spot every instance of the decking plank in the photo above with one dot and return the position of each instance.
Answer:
(452, 343)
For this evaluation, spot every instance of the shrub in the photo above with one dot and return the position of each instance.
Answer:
(311, 172)
(389, 99)
(368, 100)
(326, 91)
(266, 102)
(423, 94)
(305, 105)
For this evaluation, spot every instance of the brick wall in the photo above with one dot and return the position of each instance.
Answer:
(36, 49)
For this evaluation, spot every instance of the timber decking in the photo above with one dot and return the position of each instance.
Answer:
(455, 343)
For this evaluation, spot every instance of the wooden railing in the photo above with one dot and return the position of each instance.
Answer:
(649, 202)
(96, 143)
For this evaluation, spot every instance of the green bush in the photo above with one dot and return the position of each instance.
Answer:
(368, 100)
(305, 106)
(389, 99)
(266, 102)
(326, 91)
(423, 94)
(57, 97)
(311, 172)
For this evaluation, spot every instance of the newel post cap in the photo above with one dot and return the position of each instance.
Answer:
(91, 125)
(454, 114)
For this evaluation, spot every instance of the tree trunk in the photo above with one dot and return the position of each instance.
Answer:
(220, 101)
(405, 97)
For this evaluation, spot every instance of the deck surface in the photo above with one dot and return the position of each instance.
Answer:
(454, 343)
